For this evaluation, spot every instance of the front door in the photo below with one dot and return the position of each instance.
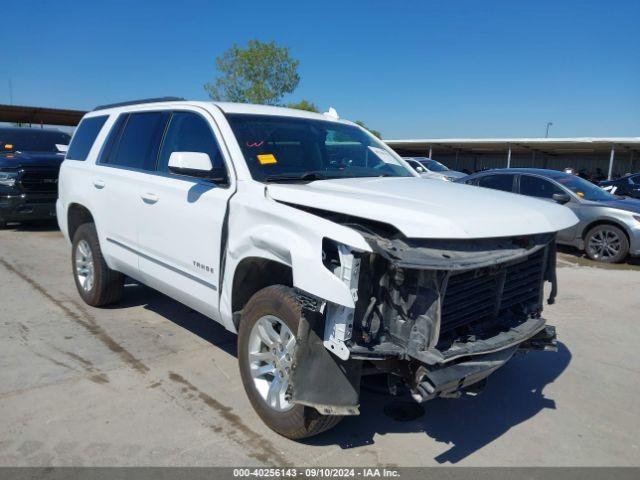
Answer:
(182, 218)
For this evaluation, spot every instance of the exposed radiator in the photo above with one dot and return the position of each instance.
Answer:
(483, 293)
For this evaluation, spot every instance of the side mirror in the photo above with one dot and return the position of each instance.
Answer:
(194, 161)
(196, 164)
(561, 198)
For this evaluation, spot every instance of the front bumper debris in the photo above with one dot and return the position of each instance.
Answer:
(451, 380)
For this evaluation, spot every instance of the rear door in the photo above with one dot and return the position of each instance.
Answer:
(129, 154)
(182, 216)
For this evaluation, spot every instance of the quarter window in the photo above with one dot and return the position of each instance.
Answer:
(189, 132)
(537, 187)
(139, 141)
(84, 137)
(497, 182)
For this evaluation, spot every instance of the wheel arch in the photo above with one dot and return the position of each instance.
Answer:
(253, 274)
(77, 215)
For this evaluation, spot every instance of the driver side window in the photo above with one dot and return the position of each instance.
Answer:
(537, 187)
(189, 132)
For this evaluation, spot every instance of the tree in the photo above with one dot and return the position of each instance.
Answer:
(375, 133)
(304, 105)
(261, 73)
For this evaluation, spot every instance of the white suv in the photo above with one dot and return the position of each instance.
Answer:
(313, 240)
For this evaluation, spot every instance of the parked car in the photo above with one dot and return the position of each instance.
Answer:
(429, 168)
(626, 186)
(315, 242)
(609, 227)
(30, 160)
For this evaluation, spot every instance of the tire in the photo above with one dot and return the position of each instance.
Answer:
(106, 286)
(606, 243)
(294, 421)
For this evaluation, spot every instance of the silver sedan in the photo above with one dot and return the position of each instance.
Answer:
(609, 226)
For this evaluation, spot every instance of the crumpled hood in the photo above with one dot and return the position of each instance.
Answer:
(423, 208)
(31, 159)
(628, 204)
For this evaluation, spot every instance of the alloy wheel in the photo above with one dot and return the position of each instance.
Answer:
(271, 348)
(84, 265)
(605, 244)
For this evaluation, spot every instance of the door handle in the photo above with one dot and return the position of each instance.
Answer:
(149, 198)
(99, 183)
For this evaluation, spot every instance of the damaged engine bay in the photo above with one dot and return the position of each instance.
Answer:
(437, 316)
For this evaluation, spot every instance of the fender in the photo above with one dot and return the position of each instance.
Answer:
(261, 227)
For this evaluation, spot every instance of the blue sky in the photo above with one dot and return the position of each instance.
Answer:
(408, 68)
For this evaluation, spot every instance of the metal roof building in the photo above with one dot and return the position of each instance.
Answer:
(611, 156)
(40, 115)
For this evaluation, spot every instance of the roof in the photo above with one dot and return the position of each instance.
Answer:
(248, 108)
(226, 107)
(546, 145)
(40, 115)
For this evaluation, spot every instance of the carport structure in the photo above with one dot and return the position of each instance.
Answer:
(608, 156)
(40, 115)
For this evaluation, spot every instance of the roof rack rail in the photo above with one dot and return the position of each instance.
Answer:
(136, 102)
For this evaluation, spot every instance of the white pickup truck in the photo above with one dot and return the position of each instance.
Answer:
(327, 254)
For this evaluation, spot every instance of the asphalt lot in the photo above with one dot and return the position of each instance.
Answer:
(150, 382)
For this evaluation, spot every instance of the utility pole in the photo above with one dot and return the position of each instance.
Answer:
(546, 135)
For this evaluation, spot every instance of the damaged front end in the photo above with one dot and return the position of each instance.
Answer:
(436, 315)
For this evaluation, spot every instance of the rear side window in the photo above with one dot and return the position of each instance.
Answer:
(497, 182)
(84, 137)
(537, 187)
(136, 143)
(189, 132)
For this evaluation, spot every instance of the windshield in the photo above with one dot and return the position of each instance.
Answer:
(583, 188)
(434, 166)
(290, 148)
(31, 140)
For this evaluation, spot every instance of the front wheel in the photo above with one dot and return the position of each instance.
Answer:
(97, 284)
(606, 243)
(266, 348)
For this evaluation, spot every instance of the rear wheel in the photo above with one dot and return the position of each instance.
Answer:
(266, 348)
(606, 243)
(97, 284)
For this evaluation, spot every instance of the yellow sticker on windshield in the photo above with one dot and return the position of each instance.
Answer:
(267, 159)
(580, 194)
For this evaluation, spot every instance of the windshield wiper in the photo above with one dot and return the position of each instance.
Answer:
(304, 177)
